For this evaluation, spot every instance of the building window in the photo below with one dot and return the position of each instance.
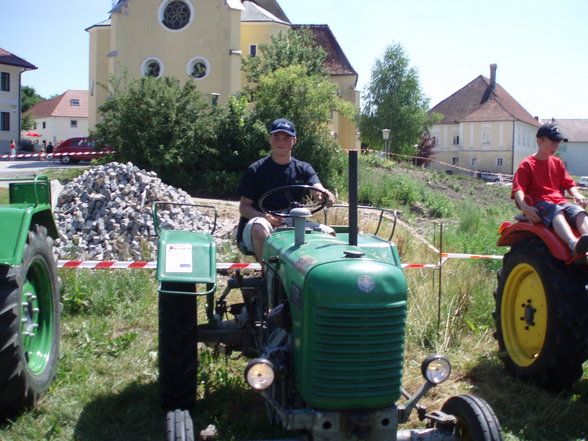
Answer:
(175, 15)
(5, 82)
(74, 102)
(455, 160)
(5, 121)
(498, 162)
(73, 124)
(456, 140)
(198, 68)
(252, 50)
(44, 125)
(485, 138)
(152, 67)
(474, 162)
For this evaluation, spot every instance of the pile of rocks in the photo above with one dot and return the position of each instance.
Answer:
(107, 214)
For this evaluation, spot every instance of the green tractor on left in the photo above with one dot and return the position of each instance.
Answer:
(29, 295)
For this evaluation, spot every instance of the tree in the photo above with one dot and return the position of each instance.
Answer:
(297, 46)
(28, 98)
(159, 125)
(393, 100)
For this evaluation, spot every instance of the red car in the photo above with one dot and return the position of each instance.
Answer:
(72, 150)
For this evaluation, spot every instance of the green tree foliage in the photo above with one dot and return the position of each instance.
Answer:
(28, 98)
(297, 46)
(160, 125)
(393, 100)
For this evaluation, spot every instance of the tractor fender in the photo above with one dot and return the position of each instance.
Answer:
(513, 232)
(15, 223)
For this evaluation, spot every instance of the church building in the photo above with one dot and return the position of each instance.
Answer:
(202, 40)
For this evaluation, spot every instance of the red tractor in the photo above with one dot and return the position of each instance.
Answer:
(541, 306)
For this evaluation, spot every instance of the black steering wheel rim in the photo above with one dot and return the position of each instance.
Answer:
(287, 189)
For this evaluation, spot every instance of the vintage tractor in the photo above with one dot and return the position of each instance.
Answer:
(29, 295)
(541, 306)
(323, 326)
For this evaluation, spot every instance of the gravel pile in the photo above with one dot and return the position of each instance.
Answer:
(107, 214)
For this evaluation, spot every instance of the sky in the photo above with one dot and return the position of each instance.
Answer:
(539, 46)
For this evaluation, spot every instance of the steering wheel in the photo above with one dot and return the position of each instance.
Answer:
(286, 191)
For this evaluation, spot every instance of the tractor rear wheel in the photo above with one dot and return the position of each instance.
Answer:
(178, 356)
(476, 420)
(541, 316)
(29, 324)
(179, 426)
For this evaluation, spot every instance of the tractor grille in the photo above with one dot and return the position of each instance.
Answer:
(358, 351)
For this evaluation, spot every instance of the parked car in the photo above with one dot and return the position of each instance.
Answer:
(583, 181)
(488, 176)
(74, 146)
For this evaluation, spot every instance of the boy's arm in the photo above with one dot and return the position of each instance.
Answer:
(529, 211)
(579, 198)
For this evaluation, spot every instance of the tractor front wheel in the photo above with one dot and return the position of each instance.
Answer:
(178, 356)
(475, 419)
(179, 426)
(29, 324)
(541, 316)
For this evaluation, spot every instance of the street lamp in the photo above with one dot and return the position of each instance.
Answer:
(386, 136)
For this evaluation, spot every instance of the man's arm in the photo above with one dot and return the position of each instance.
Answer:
(579, 198)
(248, 212)
(320, 196)
(529, 211)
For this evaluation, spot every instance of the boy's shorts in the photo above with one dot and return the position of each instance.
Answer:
(288, 222)
(548, 210)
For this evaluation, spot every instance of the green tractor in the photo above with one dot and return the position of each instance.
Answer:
(541, 310)
(29, 295)
(323, 327)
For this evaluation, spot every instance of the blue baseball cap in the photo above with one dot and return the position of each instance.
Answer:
(552, 131)
(283, 125)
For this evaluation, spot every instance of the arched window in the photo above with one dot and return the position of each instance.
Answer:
(152, 67)
(175, 15)
(198, 68)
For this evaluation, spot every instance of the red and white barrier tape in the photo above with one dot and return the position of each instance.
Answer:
(56, 155)
(112, 264)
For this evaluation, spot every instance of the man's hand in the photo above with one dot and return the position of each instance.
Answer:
(579, 198)
(273, 220)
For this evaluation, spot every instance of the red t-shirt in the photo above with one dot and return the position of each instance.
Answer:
(542, 180)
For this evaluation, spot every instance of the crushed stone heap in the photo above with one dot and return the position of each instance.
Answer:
(107, 214)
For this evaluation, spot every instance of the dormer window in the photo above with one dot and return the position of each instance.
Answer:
(74, 102)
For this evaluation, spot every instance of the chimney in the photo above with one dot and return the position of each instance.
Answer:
(493, 76)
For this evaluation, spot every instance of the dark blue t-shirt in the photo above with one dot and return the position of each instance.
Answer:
(265, 175)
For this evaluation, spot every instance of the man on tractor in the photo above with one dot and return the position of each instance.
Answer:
(538, 189)
(279, 169)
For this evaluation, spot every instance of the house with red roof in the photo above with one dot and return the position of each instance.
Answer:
(482, 128)
(62, 117)
(11, 69)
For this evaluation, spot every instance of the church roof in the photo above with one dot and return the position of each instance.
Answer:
(336, 62)
(71, 104)
(271, 6)
(12, 60)
(482, 100)
(253, 12)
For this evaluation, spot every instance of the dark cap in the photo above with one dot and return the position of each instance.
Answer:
(552, 132)
(283, 125)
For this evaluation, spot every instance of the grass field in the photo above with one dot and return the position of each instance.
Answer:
(106, 386)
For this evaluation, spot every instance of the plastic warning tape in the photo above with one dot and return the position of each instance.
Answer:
(51, 155)
(111, 264)
(471, 256)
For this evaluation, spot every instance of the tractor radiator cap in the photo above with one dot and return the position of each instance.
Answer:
(352, 254)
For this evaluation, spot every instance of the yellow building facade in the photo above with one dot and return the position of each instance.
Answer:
(202, 40)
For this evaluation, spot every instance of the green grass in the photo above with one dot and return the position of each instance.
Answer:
(106, 386)
(3, 195)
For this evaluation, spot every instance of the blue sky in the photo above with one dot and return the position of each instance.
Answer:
(540, 46)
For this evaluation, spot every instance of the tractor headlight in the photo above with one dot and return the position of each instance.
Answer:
(260, 374)
(436, 369)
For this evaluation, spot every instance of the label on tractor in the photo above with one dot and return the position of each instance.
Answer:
(178, 258)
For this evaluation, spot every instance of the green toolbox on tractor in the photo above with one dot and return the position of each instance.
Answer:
(323, 327)
(29, 294)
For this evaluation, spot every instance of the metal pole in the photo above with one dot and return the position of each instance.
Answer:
(440, 274)
(353, 178)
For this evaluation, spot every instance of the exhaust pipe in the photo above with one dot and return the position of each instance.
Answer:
(353, 178)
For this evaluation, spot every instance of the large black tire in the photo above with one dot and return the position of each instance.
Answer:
(178, 351)
(541, 316)
(476, 420)
(29, 324)
(65, 159)
(179, 426)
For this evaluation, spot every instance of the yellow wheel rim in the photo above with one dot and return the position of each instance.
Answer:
(524, 315)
